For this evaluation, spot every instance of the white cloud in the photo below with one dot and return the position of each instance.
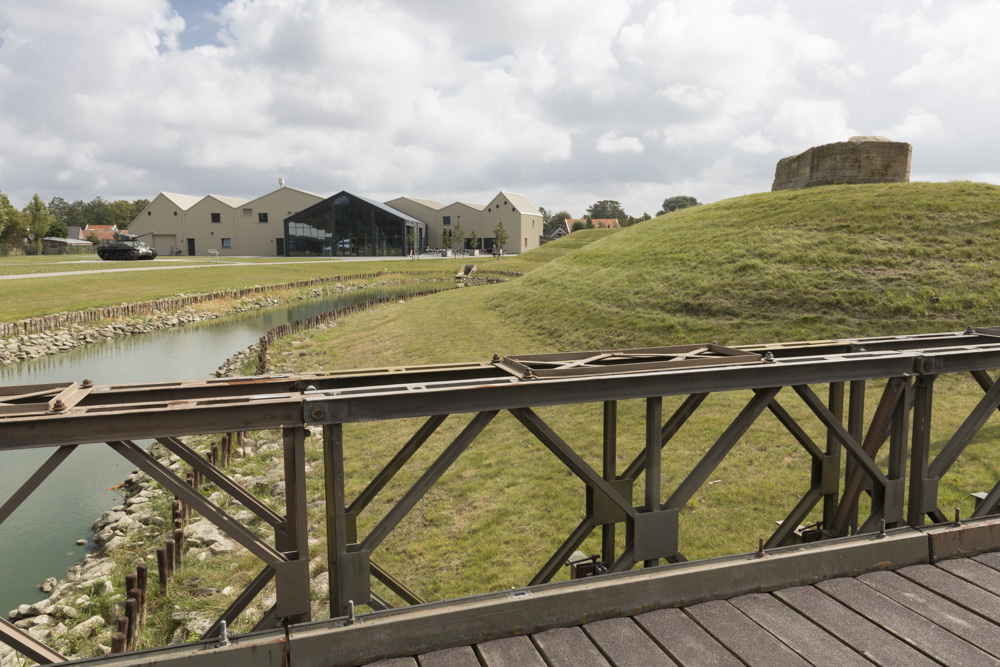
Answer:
(449, 98)
(610, 142)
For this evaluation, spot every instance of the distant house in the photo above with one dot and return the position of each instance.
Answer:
(102, 232)
(51, 243)
(558, 232)
(599, 223)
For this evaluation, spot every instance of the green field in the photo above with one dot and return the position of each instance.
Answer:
(839, 261)
(799, 265)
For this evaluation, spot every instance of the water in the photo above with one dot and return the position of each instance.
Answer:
(39, 539)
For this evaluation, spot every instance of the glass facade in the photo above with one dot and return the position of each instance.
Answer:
(349, 226)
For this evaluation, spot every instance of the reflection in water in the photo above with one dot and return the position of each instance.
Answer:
(38, 540)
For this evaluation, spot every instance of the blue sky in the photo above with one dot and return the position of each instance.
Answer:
(565, 101)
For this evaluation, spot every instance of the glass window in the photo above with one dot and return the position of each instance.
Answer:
(227, 243)
(216, 217)
(248, 211)
(446, 219)
(347, 226)
(262, 217)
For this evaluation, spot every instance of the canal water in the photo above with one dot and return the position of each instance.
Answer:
(39, 539)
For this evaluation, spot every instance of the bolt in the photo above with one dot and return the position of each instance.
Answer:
(58, 406)
(969, 330)
(496, 358)
(881, 529)
(530, 375)
(760, 547)
(958, 517)
(223, 634)
(87, 383)
(768, 358)
(318, 414)
(311, 387)
(350, 613)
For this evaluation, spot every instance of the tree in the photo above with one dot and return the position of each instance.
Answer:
(608, 208)
(458, 236)
(556, 221)
(411, 237)
(11, 225)
(578, 225)
(474, 240)
(671, 204)
(446, 238)
(58, 229)
(38, 220)
(499, 236)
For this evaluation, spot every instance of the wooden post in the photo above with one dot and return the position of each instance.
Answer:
(178, 547)
(161, 563)
(118, 642)
(171, 556)
(121, 628)
(132, 611)
(142, 581)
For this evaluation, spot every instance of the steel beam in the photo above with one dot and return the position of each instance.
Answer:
(34, 481)
(711, 460)
(21, 641)
(230, 526)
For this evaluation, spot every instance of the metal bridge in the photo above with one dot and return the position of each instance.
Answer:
(870, 513)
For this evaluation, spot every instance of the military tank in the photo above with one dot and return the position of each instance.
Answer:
(126, 247)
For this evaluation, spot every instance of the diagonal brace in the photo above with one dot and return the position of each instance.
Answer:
(149, 465)
(223, 481)
(714, 456)
(838, 431)
(427, 480)
(966, 432)
(20, 640)
(34, 481)
(570, 458)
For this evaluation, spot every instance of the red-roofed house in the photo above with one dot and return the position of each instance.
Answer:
(102, 232)
(599, 223)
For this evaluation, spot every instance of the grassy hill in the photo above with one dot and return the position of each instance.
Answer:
(794, 265)
(829, 261)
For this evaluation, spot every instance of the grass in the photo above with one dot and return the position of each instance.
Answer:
(836, 261)
(792, 265)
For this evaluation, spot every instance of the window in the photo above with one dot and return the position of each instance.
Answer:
(175, 214)
(151, 213)
(248, 211)
(446, 219)
(227, 243)
(262, 217)
(526, 243)
(216, 217)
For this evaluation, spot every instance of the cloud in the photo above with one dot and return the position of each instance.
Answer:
(445, 98)
(610, 142)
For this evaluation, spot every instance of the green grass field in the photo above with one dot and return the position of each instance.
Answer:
(839, 261)
(800, 265)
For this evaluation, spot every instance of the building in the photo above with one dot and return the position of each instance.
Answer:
(857, 160)
(277, 224)
(348, 225)
(187, 225)
(102, 233)
(599, 223)
(522, 221)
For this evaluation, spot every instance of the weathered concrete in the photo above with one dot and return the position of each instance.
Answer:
(858, 160)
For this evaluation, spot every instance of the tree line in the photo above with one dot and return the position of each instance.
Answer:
(606, 209)
(38, 219)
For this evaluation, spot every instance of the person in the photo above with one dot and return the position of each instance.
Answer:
(501, 253)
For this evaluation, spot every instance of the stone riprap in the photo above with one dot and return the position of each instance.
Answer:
(858, 160)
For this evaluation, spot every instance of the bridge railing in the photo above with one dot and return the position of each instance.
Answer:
(855, 447)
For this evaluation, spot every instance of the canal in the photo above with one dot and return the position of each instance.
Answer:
(39, 539)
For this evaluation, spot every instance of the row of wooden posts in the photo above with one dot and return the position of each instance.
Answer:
(282, 330)
(169, 557)
(33, 325)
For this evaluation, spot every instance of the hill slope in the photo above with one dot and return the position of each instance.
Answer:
(828, 261)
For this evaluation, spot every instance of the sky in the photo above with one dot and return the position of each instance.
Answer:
(565, 101)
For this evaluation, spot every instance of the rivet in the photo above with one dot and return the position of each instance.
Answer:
(317, 414)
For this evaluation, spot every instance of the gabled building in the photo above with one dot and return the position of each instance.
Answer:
(187, 225)
(521, 220)
(103, 233)
(348, 225)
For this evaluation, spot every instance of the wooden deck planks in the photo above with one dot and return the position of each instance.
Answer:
(625, 644)
(873, 642)
(568, 647)
(509, 652)
(686, 641)
(750, 642)
(462, 656)
(797, 632)
(908, 625)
